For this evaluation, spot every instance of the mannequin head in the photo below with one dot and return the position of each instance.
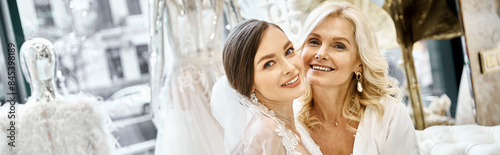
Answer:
(38, 62)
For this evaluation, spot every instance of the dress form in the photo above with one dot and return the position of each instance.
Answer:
(38, 62)
(53, 124)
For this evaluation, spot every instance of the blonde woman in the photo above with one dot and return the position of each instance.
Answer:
(350, 105)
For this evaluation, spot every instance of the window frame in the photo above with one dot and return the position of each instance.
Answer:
(11, 31)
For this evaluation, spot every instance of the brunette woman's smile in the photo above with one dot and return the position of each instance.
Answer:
(292, 83)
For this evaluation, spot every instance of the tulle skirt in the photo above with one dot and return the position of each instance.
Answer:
(183, 117)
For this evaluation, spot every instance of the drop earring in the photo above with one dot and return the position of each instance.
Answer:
(358, 77)
(254, 99)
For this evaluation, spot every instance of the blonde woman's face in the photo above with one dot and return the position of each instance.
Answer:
(277, 68)
(330, 54)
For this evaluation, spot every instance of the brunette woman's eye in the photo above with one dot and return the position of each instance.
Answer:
(289, 51)
(313, 42)
(269, 64)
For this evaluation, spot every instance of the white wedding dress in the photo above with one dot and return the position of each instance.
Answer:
(184, 122)
(250, 127)
(186, 61)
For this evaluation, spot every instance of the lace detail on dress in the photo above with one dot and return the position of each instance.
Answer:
(289, 139)
(189, 76)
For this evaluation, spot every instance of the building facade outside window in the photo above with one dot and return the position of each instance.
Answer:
(114, 63)
(133, 7)
(142, 55)
(44, 13)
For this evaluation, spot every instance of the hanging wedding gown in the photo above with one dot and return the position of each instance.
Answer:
(252, 128)
(183, 119)
(186, 61)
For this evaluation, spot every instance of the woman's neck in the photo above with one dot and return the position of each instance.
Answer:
(329, 102)
(282, 109)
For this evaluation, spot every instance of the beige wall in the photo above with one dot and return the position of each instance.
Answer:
(482, 32)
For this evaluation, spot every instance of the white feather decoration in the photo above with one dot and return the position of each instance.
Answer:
(74, 124)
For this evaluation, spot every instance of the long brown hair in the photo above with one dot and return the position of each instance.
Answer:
(239, 53)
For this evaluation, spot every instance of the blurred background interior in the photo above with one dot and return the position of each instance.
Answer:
(103, 49)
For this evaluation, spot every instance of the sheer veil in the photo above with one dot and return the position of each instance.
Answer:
(233, 117)
(236, 113)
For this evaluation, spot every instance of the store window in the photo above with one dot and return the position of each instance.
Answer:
(44, 13)
(112, 59)
(114, 63)
(97, 56)
(106, 18)
(91, 43)
(142, 55)
(133, 7)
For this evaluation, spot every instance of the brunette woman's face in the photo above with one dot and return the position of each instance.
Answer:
(330, 54)
(277, 68)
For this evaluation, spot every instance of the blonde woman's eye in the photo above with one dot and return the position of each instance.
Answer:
(289, 51)
(340, 46)
(268, 64)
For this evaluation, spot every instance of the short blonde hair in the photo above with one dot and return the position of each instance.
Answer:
(375, 80)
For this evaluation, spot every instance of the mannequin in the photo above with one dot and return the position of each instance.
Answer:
(38, 66)
(53, 124)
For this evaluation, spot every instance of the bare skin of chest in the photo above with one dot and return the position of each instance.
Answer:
(334, 139)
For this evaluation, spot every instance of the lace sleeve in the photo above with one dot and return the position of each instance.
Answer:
(248, 128)
(261, 138)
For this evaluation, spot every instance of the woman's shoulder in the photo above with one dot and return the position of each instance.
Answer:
(393, 133)
(392, 104)
(261, 126)
(395, 118)
(260, 137)
(392, 107)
